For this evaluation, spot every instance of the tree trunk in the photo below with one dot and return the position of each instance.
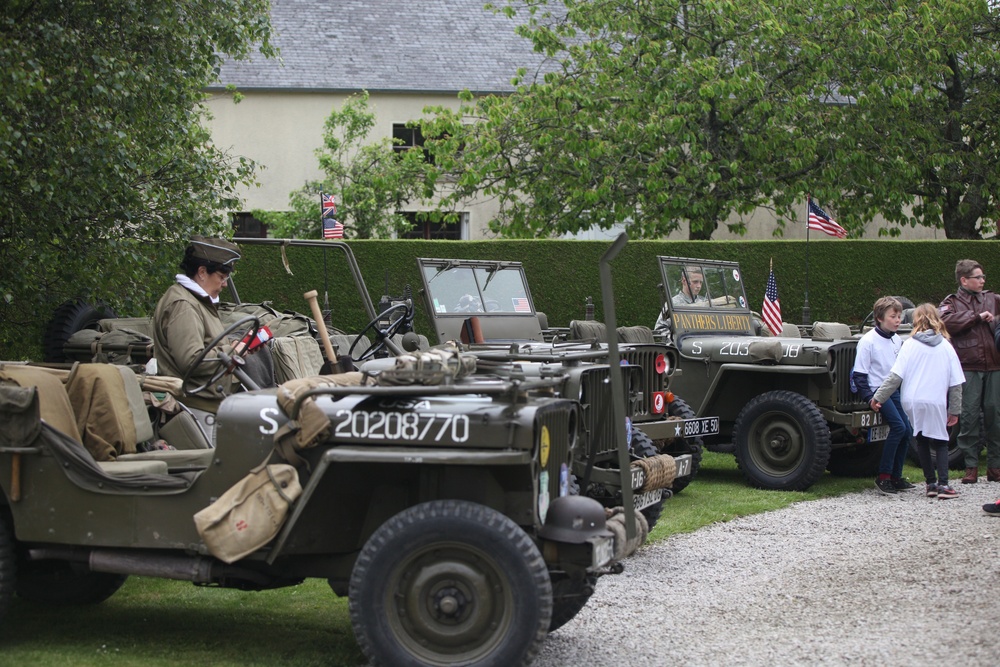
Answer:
(961, 214)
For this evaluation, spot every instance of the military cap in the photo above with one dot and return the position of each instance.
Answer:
(215, 250)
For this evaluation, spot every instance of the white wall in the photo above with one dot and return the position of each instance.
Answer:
(281, 132)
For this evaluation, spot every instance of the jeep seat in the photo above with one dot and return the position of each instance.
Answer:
(635, 334)
(110, 412)
(53, 402)
(789, 330)
(56, 410)
(831, 331)
(588, 330)
(172, 460)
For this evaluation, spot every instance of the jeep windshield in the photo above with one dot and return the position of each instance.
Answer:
(704, 296)
(494, 292)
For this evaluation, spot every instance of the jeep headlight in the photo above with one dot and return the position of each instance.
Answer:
(662, 364)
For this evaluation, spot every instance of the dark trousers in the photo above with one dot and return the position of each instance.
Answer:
(896, 445)
(924, 446)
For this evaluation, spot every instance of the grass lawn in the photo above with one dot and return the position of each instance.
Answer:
(154, 623)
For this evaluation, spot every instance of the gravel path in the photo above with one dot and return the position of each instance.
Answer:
(862, 579)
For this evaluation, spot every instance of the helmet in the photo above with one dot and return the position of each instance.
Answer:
(574, 519)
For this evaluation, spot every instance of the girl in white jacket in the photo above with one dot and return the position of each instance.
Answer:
(931, 377)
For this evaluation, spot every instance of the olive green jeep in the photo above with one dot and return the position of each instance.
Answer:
(488, 306)
(785, 404)
(437, 500)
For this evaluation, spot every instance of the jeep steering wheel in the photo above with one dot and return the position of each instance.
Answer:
(224, 361)
(382, 335)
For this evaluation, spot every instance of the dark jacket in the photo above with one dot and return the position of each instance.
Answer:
(971, 337)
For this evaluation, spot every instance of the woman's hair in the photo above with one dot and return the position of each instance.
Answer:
(927, 318)
(884, 305)
(190, 264)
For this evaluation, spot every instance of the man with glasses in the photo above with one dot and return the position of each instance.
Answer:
(970, 316)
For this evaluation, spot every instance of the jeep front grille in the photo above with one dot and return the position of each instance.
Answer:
(843, 364)
(562, 420)
(645, 358)
(599, 407)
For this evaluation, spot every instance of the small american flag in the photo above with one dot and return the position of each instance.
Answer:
(332, 229)
(521, 305)
(772, 305)
(820, 220)
(329, 206)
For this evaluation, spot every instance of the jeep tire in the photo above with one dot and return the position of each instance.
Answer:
(693, 446)
(67, 319)
(643, 448)
(450, 581)
(782, 441)
(8, 567)
(569, 596)
(62, 583)
(856, 460)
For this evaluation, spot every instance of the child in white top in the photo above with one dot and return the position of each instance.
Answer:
(876, 354)
(931, 378)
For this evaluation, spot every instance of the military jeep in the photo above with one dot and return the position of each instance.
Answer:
(438, 503)
(488, 306)
(785, 404)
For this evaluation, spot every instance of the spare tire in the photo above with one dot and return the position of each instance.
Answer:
(69, 318)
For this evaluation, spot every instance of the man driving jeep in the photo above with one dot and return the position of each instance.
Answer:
(692, 278)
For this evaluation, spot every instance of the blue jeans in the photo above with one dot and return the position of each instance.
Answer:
(896, 445)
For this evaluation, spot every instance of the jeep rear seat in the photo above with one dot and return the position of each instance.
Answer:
(56, 410)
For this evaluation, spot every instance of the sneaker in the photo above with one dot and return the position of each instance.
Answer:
(932, 490)
(993, 509)
(902, 484)
(885, 487)
(945, 491)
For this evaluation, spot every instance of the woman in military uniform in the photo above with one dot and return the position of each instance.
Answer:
(187, 319)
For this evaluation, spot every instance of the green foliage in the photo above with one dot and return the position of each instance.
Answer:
(105, 166)
(371, 181)
(845, 277)
(925, 83)
(669, 111)
(655, 112)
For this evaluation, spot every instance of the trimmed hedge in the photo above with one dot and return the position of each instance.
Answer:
(845, 277)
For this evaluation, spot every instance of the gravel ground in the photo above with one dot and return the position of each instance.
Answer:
(862, 579)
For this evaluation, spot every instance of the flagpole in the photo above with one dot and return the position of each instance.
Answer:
(806, 315)
(322, 233)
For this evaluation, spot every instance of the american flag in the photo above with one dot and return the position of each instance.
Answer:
(329, 206)
(772, 305)
(521, 305)
(332, 229)
(820, 220)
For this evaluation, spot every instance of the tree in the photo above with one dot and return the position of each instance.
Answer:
(922, 86)
(371, 181)
(105, 167)
(653, 112)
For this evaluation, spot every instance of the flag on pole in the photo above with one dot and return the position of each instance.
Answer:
(329, 206)
(331, 228)
(821, 221)
(772, 305)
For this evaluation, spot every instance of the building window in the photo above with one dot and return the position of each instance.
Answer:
(425, 228)
(248, 227)
(410, 138)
